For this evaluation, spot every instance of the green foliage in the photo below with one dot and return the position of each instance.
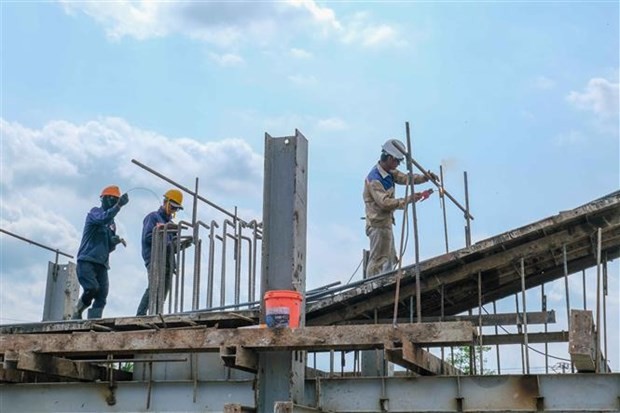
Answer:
(463, 355)
(128, 367)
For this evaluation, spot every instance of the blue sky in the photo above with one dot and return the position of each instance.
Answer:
(521, 95)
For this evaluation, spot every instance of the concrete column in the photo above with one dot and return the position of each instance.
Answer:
(281, 374)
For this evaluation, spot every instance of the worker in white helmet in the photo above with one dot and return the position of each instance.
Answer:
(173, 202)
(380, 203)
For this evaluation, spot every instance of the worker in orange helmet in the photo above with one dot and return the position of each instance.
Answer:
(173, 202)
(99, 239)
(380, 203)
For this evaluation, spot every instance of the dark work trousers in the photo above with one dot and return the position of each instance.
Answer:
(94, 280)
(144, 302)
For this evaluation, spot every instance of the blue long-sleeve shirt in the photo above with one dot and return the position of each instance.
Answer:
(97, 243)
(151, 221)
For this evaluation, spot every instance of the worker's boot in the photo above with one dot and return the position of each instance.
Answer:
(95, 312)
(77, 310)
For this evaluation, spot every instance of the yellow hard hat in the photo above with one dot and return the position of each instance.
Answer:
(111, 190)
(175, 197)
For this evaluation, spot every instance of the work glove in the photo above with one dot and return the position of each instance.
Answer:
(433, 176)
(123, 200)
(118, 240)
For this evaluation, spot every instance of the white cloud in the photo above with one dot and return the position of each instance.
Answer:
(300, 53)
(227, 60)
(52, 177)
(544, 83)
(332, 124)
(225, 24)
(570, 138)
(360, 31)
(600, 97)
(303, 80)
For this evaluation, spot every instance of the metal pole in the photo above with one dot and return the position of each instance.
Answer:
(57, 251)
(583, 276)
(520, 330)
(527, 358)
(196, 228)
(566, 284)
(418, 294)
(185, 189)
(467, 215)
(480, 322)
(598, 300)
(544, 309)
(443, 296)
(499, 371)
(443, 207)
(605, 310)
(211, 264)
(430, 179)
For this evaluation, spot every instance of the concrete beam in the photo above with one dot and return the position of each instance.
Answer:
(323, 338)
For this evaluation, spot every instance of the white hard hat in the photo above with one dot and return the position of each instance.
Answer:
(395, 148)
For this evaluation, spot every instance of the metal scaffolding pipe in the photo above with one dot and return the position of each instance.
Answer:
(57, 251)
(527, 358)
(185, 189)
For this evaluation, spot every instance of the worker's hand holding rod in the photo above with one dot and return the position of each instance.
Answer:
(433, 178)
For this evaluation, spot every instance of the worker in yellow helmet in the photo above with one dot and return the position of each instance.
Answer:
(173, 202)
(99, 239)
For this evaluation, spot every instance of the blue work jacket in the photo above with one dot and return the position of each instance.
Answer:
(97, 243)
(150, 222)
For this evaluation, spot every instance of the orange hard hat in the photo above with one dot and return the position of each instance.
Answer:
(111, 190)
(175, 197)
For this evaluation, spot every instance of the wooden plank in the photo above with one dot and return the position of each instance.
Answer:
(210, 339)
(582, 347)
(239, 358)
(532, 338)
(238, 408)
(59, 367)
(504, 319)
(418, 360)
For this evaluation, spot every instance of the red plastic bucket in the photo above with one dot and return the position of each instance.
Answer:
(282, 308)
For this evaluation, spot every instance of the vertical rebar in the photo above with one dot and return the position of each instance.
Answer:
(583, 276)
(566, 284)
(249, 240)
(195, 240)
(499, 371)
(605, 311)
(544, 310)
(480, 322)
(255, 238)
(598, 300)
(211, 264)
(519, 331)
(443, 296)
(442, 197)
(418, 294)
(237, 257)
(467, 219)
(527, 358)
